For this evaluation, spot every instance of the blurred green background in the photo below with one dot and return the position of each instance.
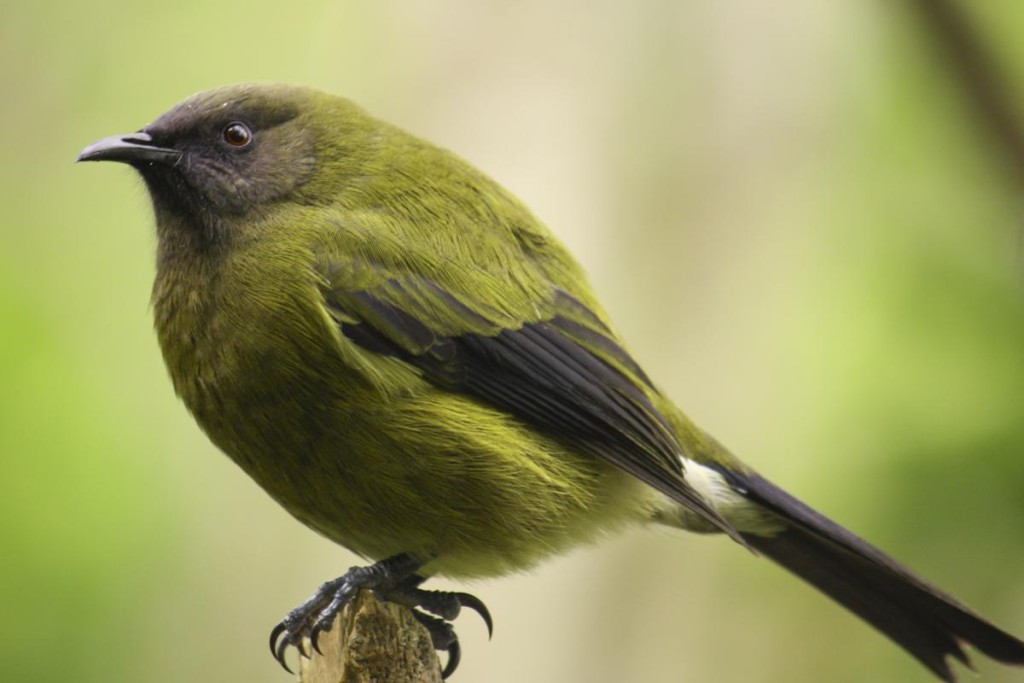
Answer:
(792, 211)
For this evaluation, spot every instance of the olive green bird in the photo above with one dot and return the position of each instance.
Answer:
(409, 362)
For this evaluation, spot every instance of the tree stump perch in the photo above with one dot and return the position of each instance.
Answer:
(373, 642)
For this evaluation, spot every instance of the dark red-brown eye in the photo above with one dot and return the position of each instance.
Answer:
(237, 134)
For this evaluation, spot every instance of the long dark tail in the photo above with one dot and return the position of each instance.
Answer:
(920, 618)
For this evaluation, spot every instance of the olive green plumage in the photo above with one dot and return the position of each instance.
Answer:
(356, 444)
(406, 359)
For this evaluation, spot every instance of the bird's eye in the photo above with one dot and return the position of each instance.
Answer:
(237, 134)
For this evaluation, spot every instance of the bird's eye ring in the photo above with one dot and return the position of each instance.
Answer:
(237, 134)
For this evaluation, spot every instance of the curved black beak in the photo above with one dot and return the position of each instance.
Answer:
(132, 148)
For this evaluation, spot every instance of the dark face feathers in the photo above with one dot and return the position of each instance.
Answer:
(221, 153)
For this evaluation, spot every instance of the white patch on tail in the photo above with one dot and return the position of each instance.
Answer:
(731, 504)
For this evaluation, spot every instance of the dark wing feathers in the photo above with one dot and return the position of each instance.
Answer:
(601, 342)
(564, 373)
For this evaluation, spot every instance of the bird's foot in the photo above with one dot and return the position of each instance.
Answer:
(446, 606)
(392, 580)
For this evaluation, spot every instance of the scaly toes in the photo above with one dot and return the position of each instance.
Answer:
(325, 620)
(393, 580)
(309, 620)
(444, 604)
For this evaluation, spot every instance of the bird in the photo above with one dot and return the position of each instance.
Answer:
(408, 361)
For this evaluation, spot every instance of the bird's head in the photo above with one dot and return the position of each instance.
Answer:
(235, 150)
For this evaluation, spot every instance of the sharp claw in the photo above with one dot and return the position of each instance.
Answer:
(392, 579)
(477, 605)
(454, 655)
(274, 635)
(279, 655)
(314, 638)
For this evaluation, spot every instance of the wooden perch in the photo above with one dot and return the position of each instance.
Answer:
(373, 642)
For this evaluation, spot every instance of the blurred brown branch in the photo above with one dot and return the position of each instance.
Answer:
(373, 642)
(979, 74)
